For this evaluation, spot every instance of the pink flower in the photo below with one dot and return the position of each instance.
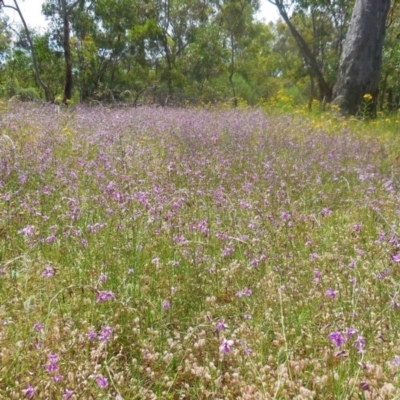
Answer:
(57, 378)
(67, 394)
(48, 270)
(104, 296)
(50, 239)
(245, 292)
(106, 334)
(360, 344)
(38, 326)
(29, 392)
(166, 305)
(225, 346)
(331, 293)
(396, 258)
(52, 365)
(337, 338)
(29, 230)
(317, 274)
(221, 325)
(350, 332)
(92, 335)
(102, 381)
(325, 212)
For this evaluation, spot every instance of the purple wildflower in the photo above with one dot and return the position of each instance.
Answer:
(103, 277)
(255, 262)
(331, 293)
(92, 335)
(221, 325)
(350, 332)
(29, 392)
(226, 251)
(245, 292)
(50, 239)
(225, 346)
(396, 361)
(57, 378)
(104, 296)
(357, 227)
(337, 338)
(396, 257)
(317, 274)
(67, 395)
(166, 305)
(48, 270)
(325, 212)
(38, 326)
(247, 350)
(360, 344)
(352, 263)
(29, 230)
(52, 365)
(106, 334)
(102, 381)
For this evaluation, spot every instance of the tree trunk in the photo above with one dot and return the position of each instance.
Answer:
(232, 71)
(361, 60)
(67, 54)
(308, 55)
(32, 49)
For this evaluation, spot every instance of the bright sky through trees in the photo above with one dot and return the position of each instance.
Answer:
(32, 11)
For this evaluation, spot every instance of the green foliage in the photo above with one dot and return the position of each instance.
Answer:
(195, 51)
(9, 88)
(28, 94)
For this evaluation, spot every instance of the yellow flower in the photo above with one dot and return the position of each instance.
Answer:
(367, 97)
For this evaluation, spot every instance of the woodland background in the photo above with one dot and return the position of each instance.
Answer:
(183, 52)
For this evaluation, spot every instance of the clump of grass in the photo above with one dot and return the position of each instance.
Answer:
(162, 253)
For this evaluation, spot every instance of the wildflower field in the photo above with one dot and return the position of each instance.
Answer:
(156, 253)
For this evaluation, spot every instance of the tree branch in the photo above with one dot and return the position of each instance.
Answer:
(32, 48)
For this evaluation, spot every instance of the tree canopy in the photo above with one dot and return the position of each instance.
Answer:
(186, 51)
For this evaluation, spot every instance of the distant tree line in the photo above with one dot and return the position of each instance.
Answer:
(191, 51)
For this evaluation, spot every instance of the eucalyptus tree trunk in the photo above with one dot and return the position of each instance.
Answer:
(361, 59)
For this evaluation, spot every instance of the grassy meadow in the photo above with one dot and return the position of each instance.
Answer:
(155, 253)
